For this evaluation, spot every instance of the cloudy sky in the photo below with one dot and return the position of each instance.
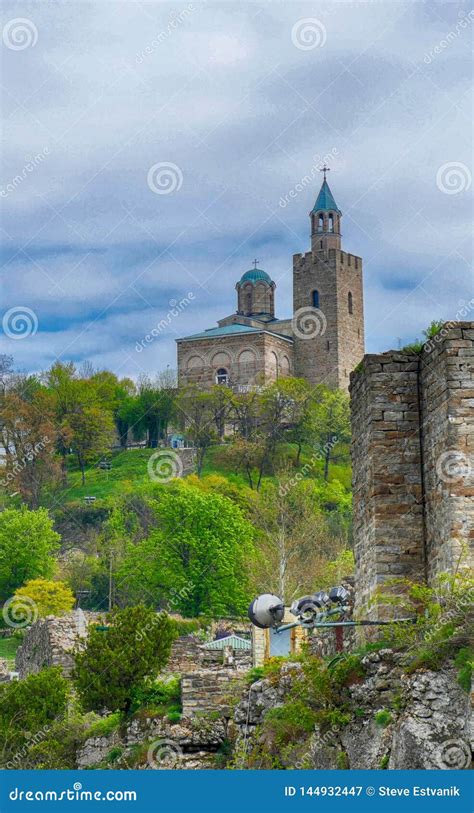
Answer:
(240, 101)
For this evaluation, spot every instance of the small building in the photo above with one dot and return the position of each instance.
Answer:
(271, 644)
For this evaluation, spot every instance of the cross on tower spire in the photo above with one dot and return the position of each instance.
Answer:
(255, 263)
(325, 169)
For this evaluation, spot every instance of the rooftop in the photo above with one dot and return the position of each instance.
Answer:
(254, 275)
(325, 201)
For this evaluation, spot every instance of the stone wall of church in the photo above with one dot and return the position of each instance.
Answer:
(329, 342)
(251, 359)
(413, 467)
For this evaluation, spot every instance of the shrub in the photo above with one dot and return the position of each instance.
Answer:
(116, 662)
(50, 597)
(28, 710)
(383, 718)
(464, 661)
(158, 694)
(105, 726)
(290, 722)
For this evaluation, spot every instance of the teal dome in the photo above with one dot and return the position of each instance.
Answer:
(255, 275)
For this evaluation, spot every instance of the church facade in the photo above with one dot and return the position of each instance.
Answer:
(323, 340)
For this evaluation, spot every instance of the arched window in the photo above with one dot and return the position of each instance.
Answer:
(331, 222)
(315, 299)
(222, 376)
(321, 222)
(349, 302)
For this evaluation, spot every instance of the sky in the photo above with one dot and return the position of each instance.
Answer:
(152, 150)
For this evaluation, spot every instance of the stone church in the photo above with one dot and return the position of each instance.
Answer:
(322, 342)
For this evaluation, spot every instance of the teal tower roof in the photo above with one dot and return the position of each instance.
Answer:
(255, 275)
(325, 201)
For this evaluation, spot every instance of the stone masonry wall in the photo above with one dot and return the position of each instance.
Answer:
(333, 343)
(447, 406)
(412, 428)
(249, 358)
(50, 642)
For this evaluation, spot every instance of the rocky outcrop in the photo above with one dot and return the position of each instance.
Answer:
(157, 744)
(397, 720)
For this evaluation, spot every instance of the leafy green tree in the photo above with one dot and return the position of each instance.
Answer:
(92, 434)
(150, 412)
(50, 597)
(27, 545)
(330, 423)
(28, 709)
(117, 661)
(112, 544)
(197, 559)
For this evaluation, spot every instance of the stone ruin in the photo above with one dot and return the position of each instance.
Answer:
(413, 462)
(51, 640)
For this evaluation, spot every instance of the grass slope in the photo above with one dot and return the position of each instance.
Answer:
(129, 469)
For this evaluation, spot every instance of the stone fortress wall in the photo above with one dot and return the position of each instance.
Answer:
(413, 461)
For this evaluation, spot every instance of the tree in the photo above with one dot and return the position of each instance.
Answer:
(292, 538)
(196, 410)
(29, 437)
(50, 597)
(27, 545)
(92, 434)
(150, 412)
(28, 709)
(116, 662)
(221, 407)
(197, 559)
(281, 408)
(330, 423)
(112, 545)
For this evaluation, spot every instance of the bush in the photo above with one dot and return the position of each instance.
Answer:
(105, 726)
(464, 661)
(158, 695)
(50, 598)
(28, 710)
(117, 662)
(290, 722)
(383, 718)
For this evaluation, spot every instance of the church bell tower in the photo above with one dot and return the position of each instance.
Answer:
(328, 310)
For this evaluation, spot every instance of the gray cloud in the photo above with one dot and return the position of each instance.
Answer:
(220, 90)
